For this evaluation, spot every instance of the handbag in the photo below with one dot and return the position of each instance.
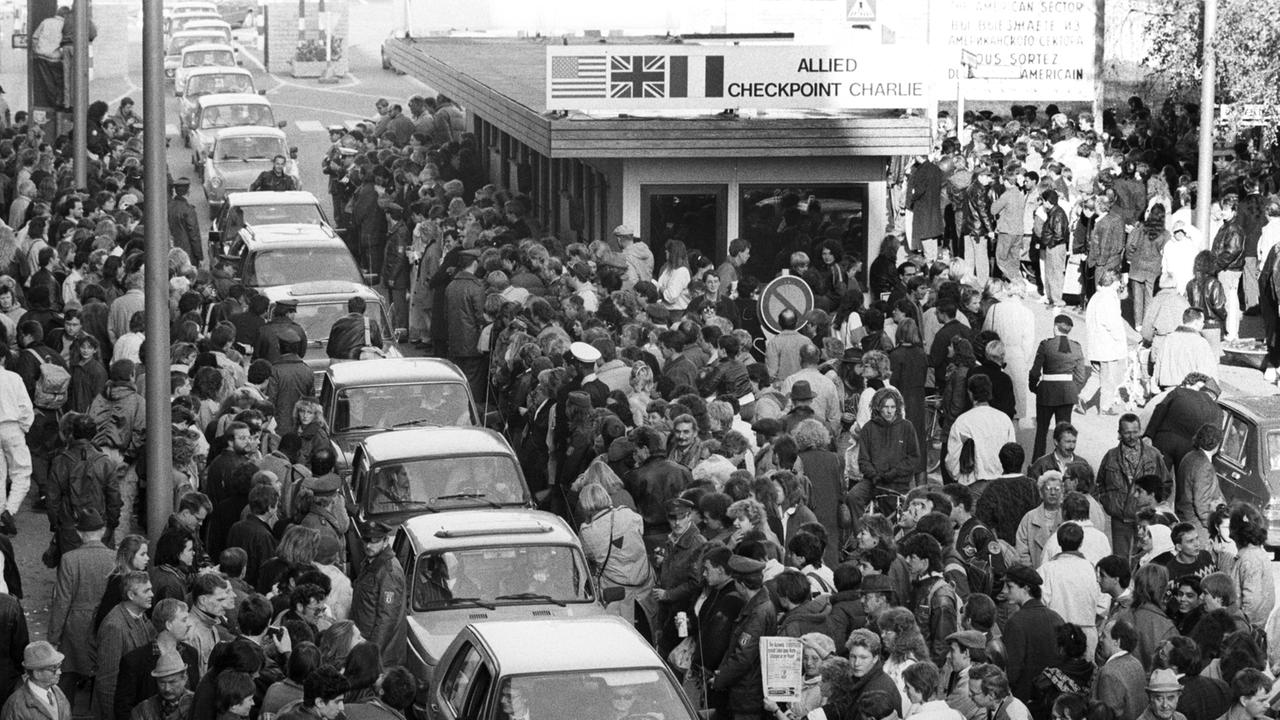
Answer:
(369, 351)
(681, 656)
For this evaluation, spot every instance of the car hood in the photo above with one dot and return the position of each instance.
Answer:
(431, 632)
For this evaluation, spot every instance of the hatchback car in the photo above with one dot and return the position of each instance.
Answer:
(182, 40)
(208, 81)
(595, 667)
(1248, 461)
(401, 473)
(215, 113)
(275, 255)
(423, 391)
(238, 156)
(202, 55)
(320, 304)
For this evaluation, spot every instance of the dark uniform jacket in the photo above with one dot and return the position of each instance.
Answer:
(184, 228)
(739, 672)
(268, 345)
(679, 576)
(465, 302)
(378, 605)
(1058, 372)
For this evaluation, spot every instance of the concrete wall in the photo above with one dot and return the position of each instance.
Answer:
(286, 29)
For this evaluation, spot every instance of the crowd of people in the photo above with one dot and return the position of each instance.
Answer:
(854, 480)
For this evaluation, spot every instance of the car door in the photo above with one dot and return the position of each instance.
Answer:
(465, 686)
(1236, 460)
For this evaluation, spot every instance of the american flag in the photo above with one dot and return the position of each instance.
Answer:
(579, 76)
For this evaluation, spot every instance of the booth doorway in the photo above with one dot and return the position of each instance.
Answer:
(694, 214)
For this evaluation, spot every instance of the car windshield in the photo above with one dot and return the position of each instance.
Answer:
(318, 318)
(212, 84)
(178, 44)
(641, 693)
(220, 116)
(446, 482)
(297, 265)
(250, 148)
(299, 214)
(209, 58)
(387, 406)
(500, 575)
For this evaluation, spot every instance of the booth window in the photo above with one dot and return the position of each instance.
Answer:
(781, 219)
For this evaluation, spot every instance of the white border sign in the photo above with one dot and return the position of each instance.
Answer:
(704, 77)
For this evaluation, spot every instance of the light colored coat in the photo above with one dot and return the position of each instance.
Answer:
(81, 583)
(1105, 336)
(1016, 325)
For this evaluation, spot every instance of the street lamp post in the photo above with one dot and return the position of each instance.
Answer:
(1208, 79)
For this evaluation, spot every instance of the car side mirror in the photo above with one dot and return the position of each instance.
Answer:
(262, 91)
(371, 279)
(282, 124)
(293, 153)
(612, 594)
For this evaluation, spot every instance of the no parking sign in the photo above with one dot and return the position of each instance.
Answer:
(786, 292)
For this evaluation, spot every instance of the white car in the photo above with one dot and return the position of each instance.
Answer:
(239, 155)
(203, 55)
(215, 113)
(180, 40)
(219, 26)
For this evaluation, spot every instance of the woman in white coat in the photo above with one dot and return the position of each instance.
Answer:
(1106, 344)
(613, 540)
(1014, 322)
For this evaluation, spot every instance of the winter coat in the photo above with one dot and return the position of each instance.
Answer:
(88, 379)
(121, 416)
(976, 220)
(1030, 645)
(81, 581)
(23, 705)
(1144, 253)
(1105, 334)
(624, 565)
(1205, 293)
(291, 380)
(267, 346)
(739, 672)
(924, 200)
(889, 452)
(378, 605)
(95, 486)
(465, 301)
(1228, 247)
(1106, 244)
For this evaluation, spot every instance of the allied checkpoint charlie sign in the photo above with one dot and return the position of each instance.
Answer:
(707, 77)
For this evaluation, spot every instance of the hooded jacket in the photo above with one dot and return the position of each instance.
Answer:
(888, 452)
(121, 416)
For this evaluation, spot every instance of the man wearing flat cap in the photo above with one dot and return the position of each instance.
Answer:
(1030, 635)
(1057, 374)
(38, 695)
(739, 672)
(378, 599)
(679, 579)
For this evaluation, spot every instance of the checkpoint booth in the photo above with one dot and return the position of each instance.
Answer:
(700, 142)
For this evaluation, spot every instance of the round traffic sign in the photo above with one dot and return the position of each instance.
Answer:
(786, 292)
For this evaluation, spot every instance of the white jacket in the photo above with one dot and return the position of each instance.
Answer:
(1105, 336)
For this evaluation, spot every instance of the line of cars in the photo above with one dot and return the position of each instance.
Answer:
(491, 582)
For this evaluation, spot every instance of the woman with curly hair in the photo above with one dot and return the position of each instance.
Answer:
(888, 451)
(309, 423)
(297, 548)
(642, 385)
(876, 372)
(903, 644)
(1252, 569)
(1150, 583)
(748, 515)
(767, 490)
(600, 473)
(826, 485)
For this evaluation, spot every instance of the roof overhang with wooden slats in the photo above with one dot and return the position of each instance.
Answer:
(503, 81)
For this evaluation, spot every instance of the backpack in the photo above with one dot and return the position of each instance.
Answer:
(80, 493)
(50, 392)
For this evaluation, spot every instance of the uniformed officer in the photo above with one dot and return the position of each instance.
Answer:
(1056, 376)
(378, 599)
(334, 164)
(739, 672)
(268, 346)
(184, 225)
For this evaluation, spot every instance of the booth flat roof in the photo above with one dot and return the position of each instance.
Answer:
(503, 81)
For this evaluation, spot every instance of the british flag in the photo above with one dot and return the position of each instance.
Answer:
(638, 76)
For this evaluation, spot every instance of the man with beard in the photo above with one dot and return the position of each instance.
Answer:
(275, 179)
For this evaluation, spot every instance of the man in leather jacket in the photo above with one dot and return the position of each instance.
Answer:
(1205, 294)
(1228, 252)
(978, 225)
(1106, 245)
(1054, 236)
(276, 178)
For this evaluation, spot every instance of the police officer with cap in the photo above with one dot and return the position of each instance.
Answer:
(378, 594)
(739, 672)
(282, 324)
(679, 571)
(184, 225)
(1057, 374)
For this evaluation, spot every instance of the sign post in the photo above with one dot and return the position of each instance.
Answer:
(786, 292)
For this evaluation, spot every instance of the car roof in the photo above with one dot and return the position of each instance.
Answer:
(269, 197)
(197, 32)
(207, 47)
(219, 70)
(423, 443)
(281, 235)
(1258, 407)
(190, 5)
(581, 644)
(233, 99)
(201, 23)
(473, 528)
(251, 131)
(319, 291)
(390, 371)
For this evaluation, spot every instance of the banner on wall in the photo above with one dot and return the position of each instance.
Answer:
(689, 77)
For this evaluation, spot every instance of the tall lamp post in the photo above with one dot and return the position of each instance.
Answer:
(1208, 79)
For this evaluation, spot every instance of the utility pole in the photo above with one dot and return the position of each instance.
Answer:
(80, 89)
(1208, 81)
(156, 204)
